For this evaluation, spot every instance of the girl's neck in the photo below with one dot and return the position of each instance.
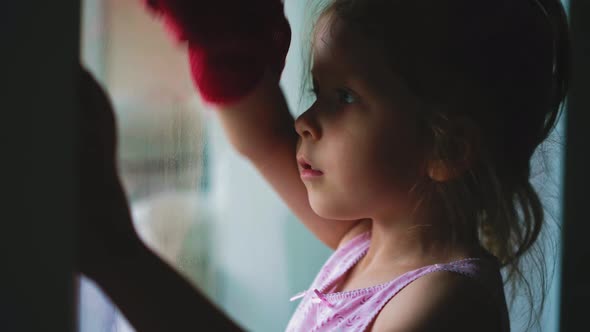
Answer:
(416, 244)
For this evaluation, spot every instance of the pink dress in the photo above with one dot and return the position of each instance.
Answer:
(322, 310)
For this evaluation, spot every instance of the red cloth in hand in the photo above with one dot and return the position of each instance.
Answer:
(231, 43)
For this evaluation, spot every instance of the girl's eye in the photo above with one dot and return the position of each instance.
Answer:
(346, 97)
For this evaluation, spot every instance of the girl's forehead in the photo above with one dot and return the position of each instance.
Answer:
(339, 50)
(336, 45)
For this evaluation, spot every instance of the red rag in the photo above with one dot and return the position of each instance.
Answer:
(231, 43)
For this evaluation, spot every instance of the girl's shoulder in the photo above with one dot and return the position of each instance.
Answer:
(441, 301)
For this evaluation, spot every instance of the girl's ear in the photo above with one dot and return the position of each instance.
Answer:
(446, 170)
(461, 146)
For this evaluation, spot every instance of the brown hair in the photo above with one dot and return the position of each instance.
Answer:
(499, 68)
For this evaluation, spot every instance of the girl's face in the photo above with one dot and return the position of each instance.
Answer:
(361, 132)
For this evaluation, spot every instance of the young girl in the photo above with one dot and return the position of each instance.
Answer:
(412, 163)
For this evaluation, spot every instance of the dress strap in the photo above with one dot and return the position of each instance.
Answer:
(469, 267)
(342, 260)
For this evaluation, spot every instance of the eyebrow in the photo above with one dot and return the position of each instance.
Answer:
(344, 73)
(355, 83)
(326, 69)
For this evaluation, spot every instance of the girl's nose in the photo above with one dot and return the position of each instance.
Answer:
(307, 127)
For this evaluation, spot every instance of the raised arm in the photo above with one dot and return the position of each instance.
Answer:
(149, 292)
(155, 298)
(262, 130)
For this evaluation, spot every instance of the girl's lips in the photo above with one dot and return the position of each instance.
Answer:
(306, 170)
(304, 164)
(310, 173)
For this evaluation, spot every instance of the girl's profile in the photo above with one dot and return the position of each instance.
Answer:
(412, 162)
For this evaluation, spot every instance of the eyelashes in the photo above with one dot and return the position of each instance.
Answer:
(346, 97)
(343, 96)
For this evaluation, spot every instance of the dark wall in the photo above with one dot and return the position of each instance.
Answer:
(575, 292)
(39, 56)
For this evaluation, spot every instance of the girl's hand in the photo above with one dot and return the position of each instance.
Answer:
(105, 231)
(230, 43)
